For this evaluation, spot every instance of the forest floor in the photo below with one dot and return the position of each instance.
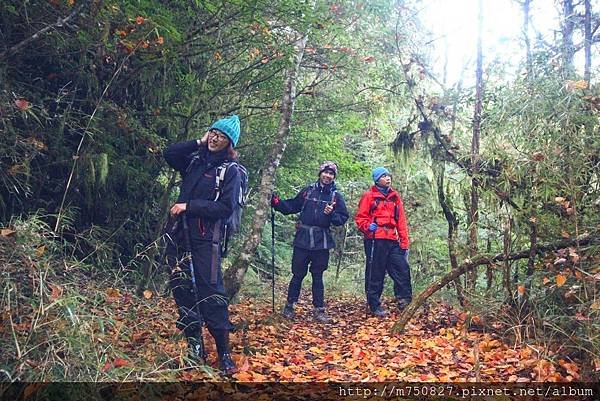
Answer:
(436, 346)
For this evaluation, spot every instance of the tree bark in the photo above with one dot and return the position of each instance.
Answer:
(452, 220)
(234, 275)
(507, 245)
(474, 208)
(568, 26)
(587, 42)
(529, 64)
(479, 260)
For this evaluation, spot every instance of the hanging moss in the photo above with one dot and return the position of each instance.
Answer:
(102, 170)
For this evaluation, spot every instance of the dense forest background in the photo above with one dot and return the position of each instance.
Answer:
(499, 174)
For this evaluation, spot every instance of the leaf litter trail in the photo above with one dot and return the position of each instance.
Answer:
(435, 346)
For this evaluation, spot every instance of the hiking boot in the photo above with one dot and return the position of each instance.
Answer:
(227, 365)
(320, 316)
(379, 312)
(196, 349)
(403, 303)
(288, 311)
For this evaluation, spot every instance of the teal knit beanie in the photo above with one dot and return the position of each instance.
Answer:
(378, 172)
(230, 126)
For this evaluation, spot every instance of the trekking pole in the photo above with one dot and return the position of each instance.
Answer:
(272, 259)
(370, 266)
(188, 248)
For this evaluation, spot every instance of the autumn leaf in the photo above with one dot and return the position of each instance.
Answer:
(315, 350)
(574, 85)
(56, 291)
(560, 280)
(113, 292)
(120, 362)
(139, 20)
(217, 56)
(521, 290)
(244, 376)
(595, 305)
(147, 294)
(22, 104)
(39, 145)
(160, 40)
(546, 280)
(116, 363)
(6, 232)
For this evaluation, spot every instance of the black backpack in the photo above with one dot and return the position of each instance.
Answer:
(233, 223)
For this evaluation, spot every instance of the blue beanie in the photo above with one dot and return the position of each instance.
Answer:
(230, 126)
(378, 172)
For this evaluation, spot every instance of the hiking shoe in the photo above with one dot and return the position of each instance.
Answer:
(403, 303)
(379, 312)
(196, 350)
(227, 365)
(320, 316)
(288, 311)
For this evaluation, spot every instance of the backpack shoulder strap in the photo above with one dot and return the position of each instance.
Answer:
(308, 194)
(219, 178)
(333, 194)
(374, 205)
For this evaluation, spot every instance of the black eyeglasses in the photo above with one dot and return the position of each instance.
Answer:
(220, 137)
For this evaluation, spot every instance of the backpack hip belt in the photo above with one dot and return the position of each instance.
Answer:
(311, 234)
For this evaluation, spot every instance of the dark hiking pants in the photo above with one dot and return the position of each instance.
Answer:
(301, 259)
(212, 301)
(387, 257)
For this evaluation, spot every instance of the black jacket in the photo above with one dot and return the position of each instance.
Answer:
(198, 168)
(313, 229)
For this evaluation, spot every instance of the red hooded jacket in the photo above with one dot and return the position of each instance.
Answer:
(387, 212)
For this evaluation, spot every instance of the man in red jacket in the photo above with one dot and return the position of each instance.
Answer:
(381, 219)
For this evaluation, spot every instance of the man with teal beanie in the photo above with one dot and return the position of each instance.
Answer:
(204, 210)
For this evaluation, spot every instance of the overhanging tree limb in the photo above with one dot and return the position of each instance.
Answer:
(479, 260)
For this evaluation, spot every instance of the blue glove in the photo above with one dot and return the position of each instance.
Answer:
(372, 227)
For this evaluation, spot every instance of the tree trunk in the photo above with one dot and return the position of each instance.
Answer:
(474, 209)
(452, 228)
(529, 64)
(587, 42)
(234, 275)
(479, 260)
(507, 244)
(568, 49)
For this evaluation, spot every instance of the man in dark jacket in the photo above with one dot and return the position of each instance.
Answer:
(320, 205)
(380, 217)
(198, 161)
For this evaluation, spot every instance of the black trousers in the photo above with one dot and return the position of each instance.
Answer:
(386, 257)
(318, 260)
(212, 303)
